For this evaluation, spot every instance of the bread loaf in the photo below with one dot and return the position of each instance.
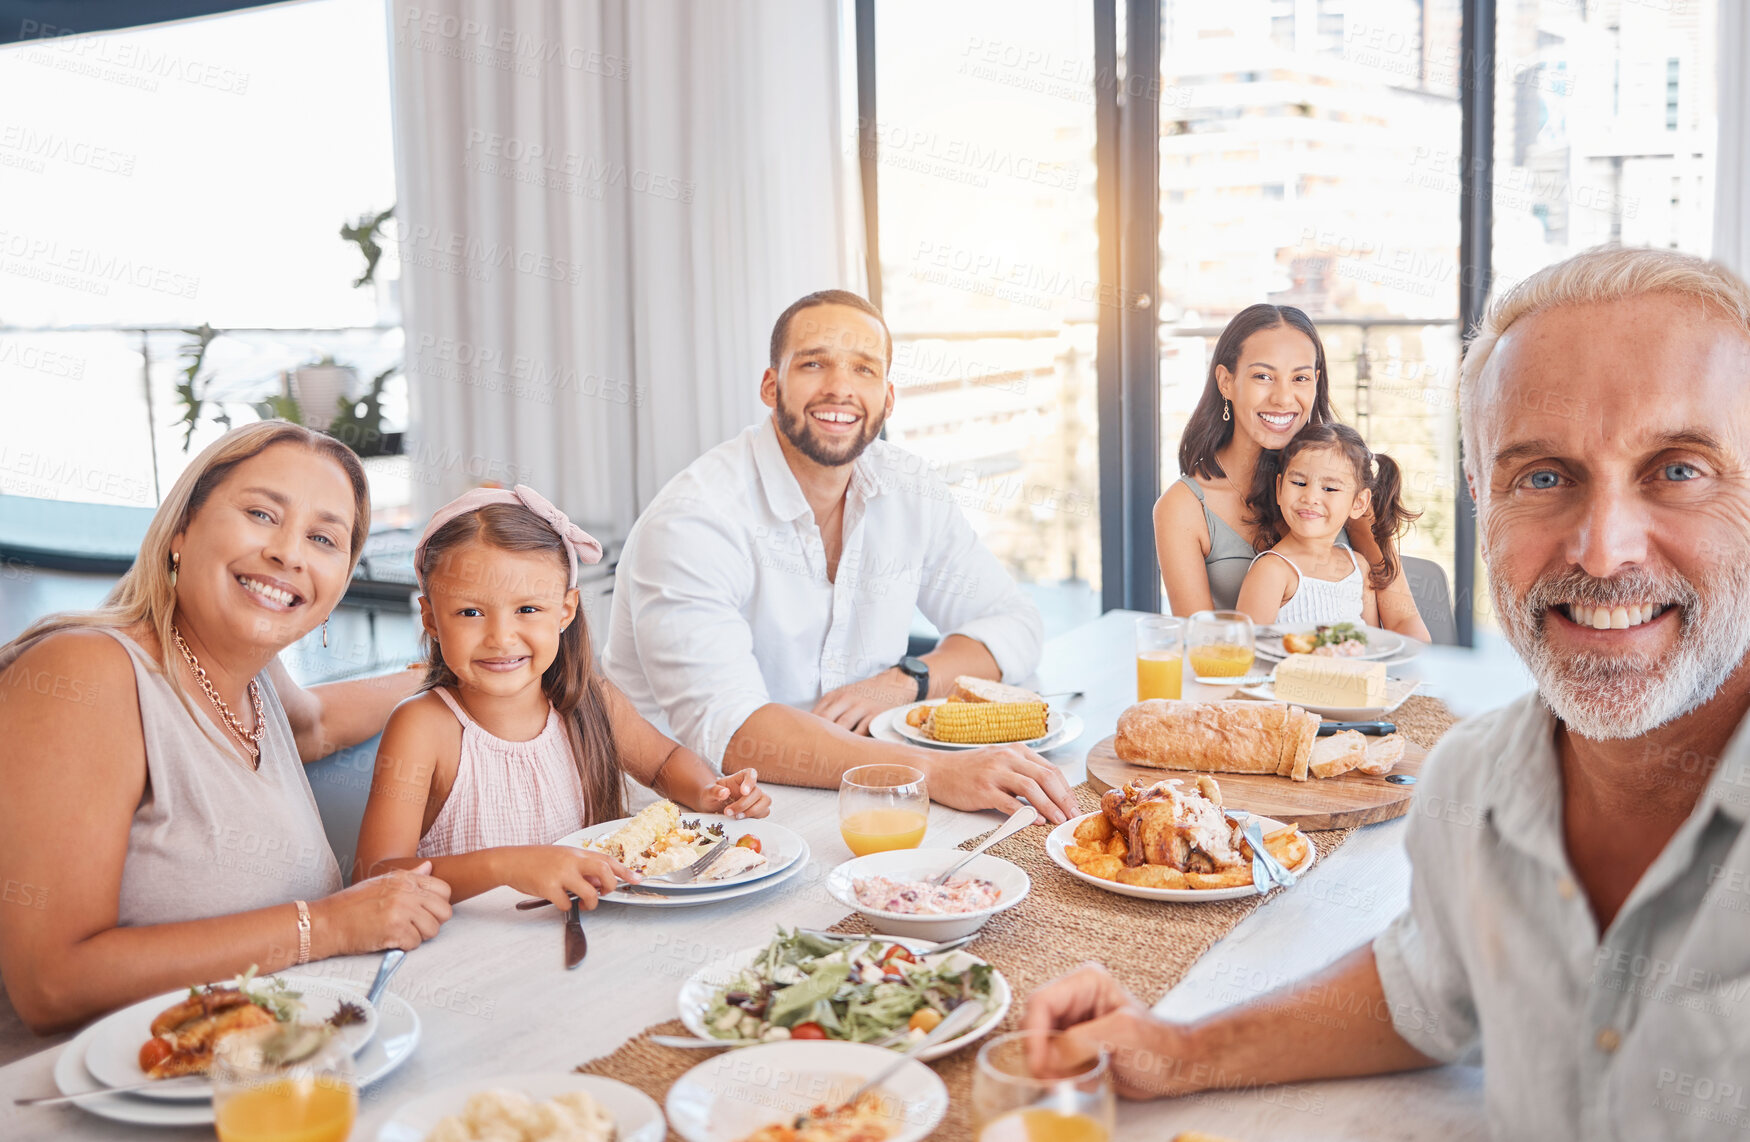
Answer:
(1337, 754)
(1218, 737)
(1383, 755)
(970, 689)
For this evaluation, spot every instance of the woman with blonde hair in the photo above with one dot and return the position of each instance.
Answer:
(155, 803)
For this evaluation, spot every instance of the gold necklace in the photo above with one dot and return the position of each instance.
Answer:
(251, 739)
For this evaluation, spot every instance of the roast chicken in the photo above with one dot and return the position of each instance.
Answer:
(1166, 824)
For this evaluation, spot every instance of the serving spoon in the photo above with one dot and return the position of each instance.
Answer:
(1017, 821)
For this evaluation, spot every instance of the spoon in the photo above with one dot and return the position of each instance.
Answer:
(1017, 821)
(959, 1021)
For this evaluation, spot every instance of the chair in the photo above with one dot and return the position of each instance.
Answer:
(342, 784)
(1433, 599)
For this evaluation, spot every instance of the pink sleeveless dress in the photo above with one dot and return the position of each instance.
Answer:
(507, 793)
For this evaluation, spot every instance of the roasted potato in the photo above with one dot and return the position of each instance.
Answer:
(1116, 846)
(1094, 832)
(1153, 876)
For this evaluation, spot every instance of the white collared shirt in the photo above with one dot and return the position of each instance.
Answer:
(1643, 1033)
(722, 602)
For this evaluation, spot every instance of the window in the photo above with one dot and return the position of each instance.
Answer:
(990, 283)
(1336, 189)
(163, 178)
(1599, 156)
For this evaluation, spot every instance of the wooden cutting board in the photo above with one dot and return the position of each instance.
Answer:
(1316, 803)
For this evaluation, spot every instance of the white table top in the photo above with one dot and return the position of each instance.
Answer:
(494, 996)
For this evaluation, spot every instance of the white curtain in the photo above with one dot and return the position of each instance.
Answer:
(1732, 181)
(604, 204)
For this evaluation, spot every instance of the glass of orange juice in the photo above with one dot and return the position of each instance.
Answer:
(1160, 656)
(1034, 1086)
(283, 1083)
(883, 807)
(1218, 645)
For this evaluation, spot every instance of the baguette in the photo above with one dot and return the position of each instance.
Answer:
(1216, 737)
(970, 689)
(1336, 754)
(1309, 733)
(1383, 755)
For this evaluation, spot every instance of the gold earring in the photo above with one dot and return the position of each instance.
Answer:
(324, 634)
(1227, 408)
(175, 566)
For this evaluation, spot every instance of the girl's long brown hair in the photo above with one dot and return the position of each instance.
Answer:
(571, 683)
(1206, 431)
(1375, 471)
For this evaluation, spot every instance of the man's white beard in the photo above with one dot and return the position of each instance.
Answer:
(1607, 697)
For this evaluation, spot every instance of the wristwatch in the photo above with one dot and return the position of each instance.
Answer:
(919, 669)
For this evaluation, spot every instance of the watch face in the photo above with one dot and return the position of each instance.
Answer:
(914, 666)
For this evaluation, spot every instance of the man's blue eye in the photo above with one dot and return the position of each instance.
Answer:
(1681, 472)
(1544, 480)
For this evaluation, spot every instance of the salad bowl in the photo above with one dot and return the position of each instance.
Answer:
(845, 989)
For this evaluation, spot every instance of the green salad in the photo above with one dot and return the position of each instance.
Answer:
(1338, 633)
(857, 989)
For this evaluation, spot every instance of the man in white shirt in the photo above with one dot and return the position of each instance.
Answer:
(1579, 912)
(763, 601)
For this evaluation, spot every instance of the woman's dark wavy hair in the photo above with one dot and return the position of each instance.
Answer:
(1375, 471)
(1206, 431)
(571, 683)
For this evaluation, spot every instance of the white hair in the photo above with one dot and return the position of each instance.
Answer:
(1601, 274)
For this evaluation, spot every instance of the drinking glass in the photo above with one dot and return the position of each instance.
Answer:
(1160, 657)
(1219, 646)
(1033, 1086)
(883, 807)
(263, 1092)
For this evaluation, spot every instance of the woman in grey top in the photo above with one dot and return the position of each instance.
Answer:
(1267, 381)
(156, 806)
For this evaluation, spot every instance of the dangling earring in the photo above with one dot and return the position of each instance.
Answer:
(324, 634)
(1227, 408)
(175, 566)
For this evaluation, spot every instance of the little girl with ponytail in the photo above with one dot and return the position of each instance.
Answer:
(1302, 498)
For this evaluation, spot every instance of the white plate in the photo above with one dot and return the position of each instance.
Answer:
(397, 1036)
(703, 985)
(113, 1058)
(1380, 643)
(729, 1096)
(1061, 728)
(639, 899)
(1396, 690)
(1064, 835)
(636, 1116)
(780, 846)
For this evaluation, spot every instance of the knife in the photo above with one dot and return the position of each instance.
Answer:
(576, 947)
(1328, 728)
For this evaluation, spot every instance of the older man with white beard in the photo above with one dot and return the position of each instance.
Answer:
(1579, 913)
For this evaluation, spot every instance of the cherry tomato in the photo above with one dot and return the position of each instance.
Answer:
(748, 841)
(896, 952)
(808, 1031)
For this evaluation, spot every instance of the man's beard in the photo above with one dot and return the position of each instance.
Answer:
(828, 452)
(1619, 696)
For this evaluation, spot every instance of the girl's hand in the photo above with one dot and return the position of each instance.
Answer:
(559, 872)
(737, 795)
(399, 909)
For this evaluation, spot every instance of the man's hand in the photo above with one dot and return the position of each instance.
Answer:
(995, 777)
(855, 705)
(1150, 1057)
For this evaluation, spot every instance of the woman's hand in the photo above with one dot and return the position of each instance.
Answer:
(559, 872)
(737, 795)
(399, 909)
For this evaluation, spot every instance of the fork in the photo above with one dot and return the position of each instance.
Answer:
(1274, 871)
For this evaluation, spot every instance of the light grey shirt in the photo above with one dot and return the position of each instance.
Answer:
(722, 601)
(1642, 1033)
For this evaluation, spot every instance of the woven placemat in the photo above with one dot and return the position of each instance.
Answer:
(1148, 945)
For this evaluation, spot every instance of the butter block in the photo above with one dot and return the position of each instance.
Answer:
(1311, 680)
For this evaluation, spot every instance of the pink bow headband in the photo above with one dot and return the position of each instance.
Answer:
(579, 544)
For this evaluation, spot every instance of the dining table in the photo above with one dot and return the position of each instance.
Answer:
(494, 997)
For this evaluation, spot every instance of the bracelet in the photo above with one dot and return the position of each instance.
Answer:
(303, 932)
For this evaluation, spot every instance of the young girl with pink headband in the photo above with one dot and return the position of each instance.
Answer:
(515, 740)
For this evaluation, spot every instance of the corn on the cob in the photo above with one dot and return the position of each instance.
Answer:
(984, 723)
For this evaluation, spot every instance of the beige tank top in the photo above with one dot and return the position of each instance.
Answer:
(210, 836)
